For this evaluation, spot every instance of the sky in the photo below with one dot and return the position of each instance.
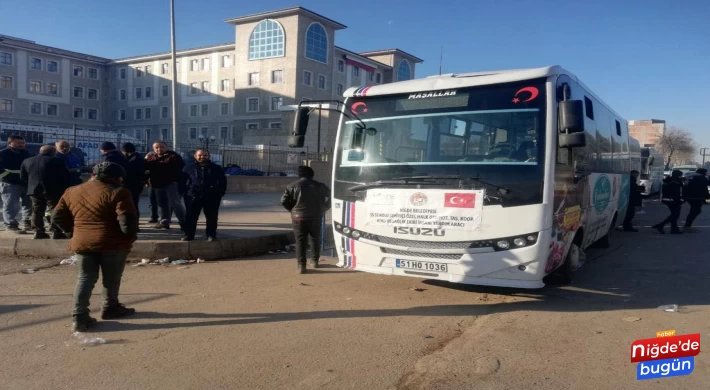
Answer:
(645, 58)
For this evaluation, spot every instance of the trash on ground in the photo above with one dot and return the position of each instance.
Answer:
(29, 270)
(68, 261)
(178, 262)
(85, 340)
(139, 265)
(164, 260)
(418, 289)
(184, 267)
(145, 261)
(200, 260)
(304, 284)
(631, 319)
(428, 337)
(669, 308)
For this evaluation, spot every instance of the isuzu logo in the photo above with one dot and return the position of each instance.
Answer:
(412, 231)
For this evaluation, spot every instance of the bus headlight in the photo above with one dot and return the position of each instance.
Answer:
(355, 234)
(519, 242)
(346, 230)
(503, 244)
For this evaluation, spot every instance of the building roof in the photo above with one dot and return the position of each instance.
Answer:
(392, 51)
(286, 12)
(193, 50)
(362, 58)
(33, 46)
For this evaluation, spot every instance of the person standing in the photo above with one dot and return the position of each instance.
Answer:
(135, 174)
(12, 187)
(101, 220)
(635, 200)
(672, 197)
(307, 200)
(47, 178)
(72, 161)
(206, 185)
(154, 218)
(696, 193)
(109, 153)
(165, 170)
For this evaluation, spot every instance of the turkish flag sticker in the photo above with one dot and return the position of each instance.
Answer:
(460, 200)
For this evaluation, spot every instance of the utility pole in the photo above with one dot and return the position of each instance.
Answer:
(441, 58)
(703, 151)
(174, 66)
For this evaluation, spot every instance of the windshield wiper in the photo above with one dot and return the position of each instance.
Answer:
(394, 182)
(461, 179)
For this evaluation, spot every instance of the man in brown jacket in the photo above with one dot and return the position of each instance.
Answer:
(101, 220)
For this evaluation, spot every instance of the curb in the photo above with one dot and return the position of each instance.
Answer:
(220, 249)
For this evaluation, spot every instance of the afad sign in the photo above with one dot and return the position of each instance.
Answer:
(666, 355)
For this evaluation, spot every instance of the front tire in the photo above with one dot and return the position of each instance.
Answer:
(608, 239)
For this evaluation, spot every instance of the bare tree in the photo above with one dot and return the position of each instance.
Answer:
(676, 142)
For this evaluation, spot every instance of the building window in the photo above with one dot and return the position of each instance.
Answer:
(194, 89)
(139, 93)
(52, 89)
(139, 133)
(224, 109)
(223, 130)
(139, 72)
(205, 110)
(164, 112)
(122, 94)
(321, 81)
(193, 132)
(52, 109)
(138, 113)
(205, 131)
(370, 75)
(164, 68)
(148, 114)
(122, 73)
(148, 92)
(94, 73)
(193, 110)
(379, 77)
(254, 78)
(6, 105)
(35, 63)
(35, 108)
(234, 133)
(121, 115)
(339, 90)
(356, 71)
(78, 92)
(194, 65)
(252, 126)
(275, 125)
(404, 72)
(36, 86)
(276, 103)
(164, 90)
(317, 43)
(93, 114)
(307, 76)
(205, 87)
(6, 82)
(226, 61)
(252, 104)
(6, 58)
(277, 77)
(266, 40)
(52, 66)
(92, 94)
(225, 85)
(341, 66)
(205, 64)
(78, 113)
(148, 69)
(164, 134)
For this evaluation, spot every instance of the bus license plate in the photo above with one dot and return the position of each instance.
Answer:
(422, 265)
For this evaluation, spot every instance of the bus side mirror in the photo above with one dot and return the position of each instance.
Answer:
(358, 139)
(574, 140)
(571, 116)
(300, 127)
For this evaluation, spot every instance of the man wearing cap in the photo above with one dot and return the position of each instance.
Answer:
(109, 153)
(307, 200)
(12, 187)
(101, 220)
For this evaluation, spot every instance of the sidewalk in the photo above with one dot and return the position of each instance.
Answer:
(248, 224)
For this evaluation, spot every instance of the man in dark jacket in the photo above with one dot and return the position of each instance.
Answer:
(109, 153)
(307, 200)
(12, 187)
(47, 178)
(206, 185)
(696, 192)
(135, 174)
(71, 160)
(672, 197)
(165, 169)
(635, 200)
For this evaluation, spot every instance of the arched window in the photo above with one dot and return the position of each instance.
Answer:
(404, 72)
(266, 40)
(317, 43)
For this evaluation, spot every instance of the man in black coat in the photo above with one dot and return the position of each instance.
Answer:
(206, 185)
(672, 196)
(696, 192)
(635, 200)
(109, 153)
(135, 173)
(47, 177)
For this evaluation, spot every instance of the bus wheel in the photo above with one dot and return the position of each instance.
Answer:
(564, 275)
(606, 241)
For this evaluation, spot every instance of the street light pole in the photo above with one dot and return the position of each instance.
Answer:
(703, 151)
(174, 66)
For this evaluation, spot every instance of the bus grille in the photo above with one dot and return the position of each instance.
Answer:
(424, 244)
(428, 255)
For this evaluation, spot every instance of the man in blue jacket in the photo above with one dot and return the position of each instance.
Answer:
(206, 185)
(71, 160)
(12, 187)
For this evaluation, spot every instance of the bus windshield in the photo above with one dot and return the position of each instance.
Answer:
(493, 132)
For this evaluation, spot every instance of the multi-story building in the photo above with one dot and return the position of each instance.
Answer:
(647, 132)
(232, 92)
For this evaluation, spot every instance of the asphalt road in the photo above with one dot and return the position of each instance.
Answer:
(255, 324)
